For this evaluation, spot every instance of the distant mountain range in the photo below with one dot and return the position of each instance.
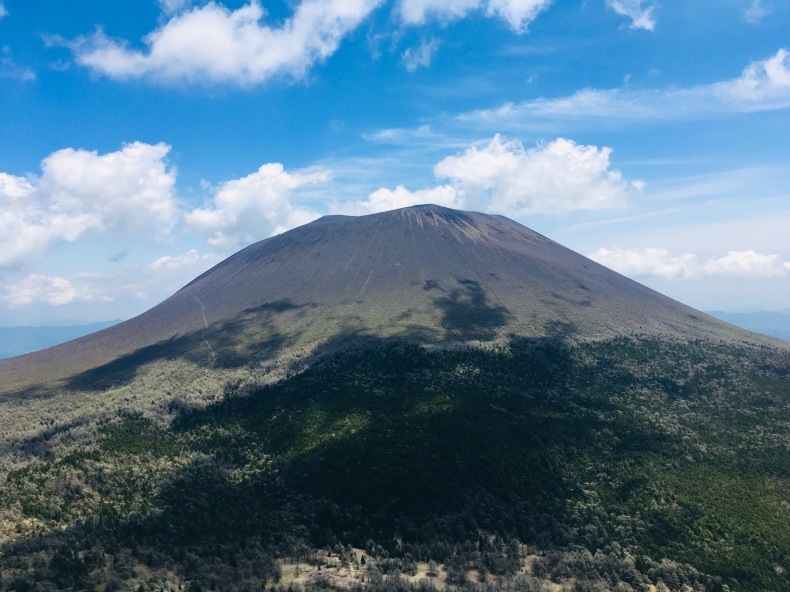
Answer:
(15, 341)
(776, 323)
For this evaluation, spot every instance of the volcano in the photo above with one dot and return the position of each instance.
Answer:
(426, 273)
(419, 400)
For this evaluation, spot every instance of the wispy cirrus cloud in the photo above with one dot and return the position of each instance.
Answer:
(420, 56)
(170, 7)
(641, 15)
(10, 69)
(211, 44)
(518, 14)
(763, 85)
(417, 12)
(755, 13)
(191, 260)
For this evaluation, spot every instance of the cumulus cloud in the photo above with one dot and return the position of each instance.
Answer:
(255, 207)
(517, 13)
(747, 264)
(124, 191)
(15, 187)
(658, 262)
(646, 262)
(641, 16)
(81, 192)
(212, 44)
(557, 177)
(384, 199)
(48, 289)
(420, 56)
(764, 85)
(504, 177)
(765, 82)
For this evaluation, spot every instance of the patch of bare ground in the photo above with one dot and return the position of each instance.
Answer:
(329, 570)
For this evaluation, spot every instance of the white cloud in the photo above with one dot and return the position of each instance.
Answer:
(765, 82)
(762, 86)
(755, 12)
(255, 207)
(190, 260)
(170, 7)
(12, 187)
(747, 264)
(517, 13)
(641, 16)
(421, 56)
(403, 135)
(10, 69)
(3, 11)
(48, 289)
(658, 262)
(557, 177)
(504, 177)
(24, 228)
(212, 44)
(125, 191)
(81, 192)
(383, 200)
(646, 262)
(417, 12)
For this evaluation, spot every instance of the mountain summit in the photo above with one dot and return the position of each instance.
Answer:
(424, 273)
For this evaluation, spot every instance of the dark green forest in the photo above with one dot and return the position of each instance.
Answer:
(617, 465)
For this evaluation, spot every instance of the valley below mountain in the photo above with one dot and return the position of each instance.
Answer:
(416, 400)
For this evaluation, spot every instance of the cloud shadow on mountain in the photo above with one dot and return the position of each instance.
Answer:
(252, 335)
(468, 313)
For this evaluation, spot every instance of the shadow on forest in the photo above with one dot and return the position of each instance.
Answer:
(252, 335)
(389, 443)
(467, 312)
(361, 450)
(393, 456)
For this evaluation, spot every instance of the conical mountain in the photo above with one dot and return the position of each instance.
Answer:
(426, 273)
(287, 422)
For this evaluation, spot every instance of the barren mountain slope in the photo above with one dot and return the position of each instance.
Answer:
(427, 273)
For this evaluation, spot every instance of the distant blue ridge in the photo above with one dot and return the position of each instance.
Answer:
(775, 324)
(16, 341)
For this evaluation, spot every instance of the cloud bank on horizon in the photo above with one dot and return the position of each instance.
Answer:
(599, 137)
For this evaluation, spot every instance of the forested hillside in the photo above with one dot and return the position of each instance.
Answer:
(618, 464)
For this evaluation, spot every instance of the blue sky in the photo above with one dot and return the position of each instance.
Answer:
(142, 141)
